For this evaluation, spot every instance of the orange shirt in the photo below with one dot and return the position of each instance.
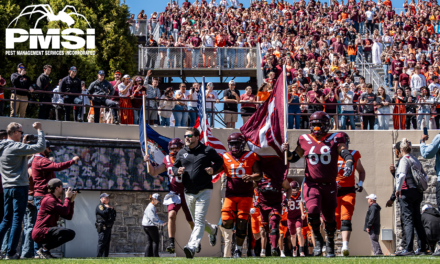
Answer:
(350, 180)
(352, 50)
(344, 15)
(238, 168)
(263, 95)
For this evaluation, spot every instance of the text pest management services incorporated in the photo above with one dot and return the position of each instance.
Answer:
(73, 40)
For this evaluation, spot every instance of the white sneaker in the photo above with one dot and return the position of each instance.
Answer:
(295, 253)
(345, 252)
(282, 255)
(302, 254)
(262, 255)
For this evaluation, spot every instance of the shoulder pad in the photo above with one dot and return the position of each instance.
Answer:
(336, 137)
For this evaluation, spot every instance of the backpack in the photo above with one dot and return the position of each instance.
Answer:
(420, 178)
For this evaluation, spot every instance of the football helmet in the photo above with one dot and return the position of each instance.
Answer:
(346, 137)
(294, 185)
(175, 143)
(319, 124)
(236, 143)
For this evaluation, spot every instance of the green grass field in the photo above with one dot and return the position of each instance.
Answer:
(268, 260)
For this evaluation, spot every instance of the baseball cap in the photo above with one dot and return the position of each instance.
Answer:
(73, 68)
(103, 195)
(20, 64)
(372, 197)
(346, 85)
(232, 82)
(53, 183)
(101, 72)
(126, 76)
(210, 84)
(156, 196)
(117, 72)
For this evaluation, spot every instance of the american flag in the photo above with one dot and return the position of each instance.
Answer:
(203, 126)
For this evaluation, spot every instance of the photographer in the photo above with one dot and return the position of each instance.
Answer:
(105, 217)
(14, 171)
(103, 87)
(22, 81)
(71, 84)
(43, 84)
(46, 230)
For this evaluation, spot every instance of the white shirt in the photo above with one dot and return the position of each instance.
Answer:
(193, 97)
(369, 15)
(432, 86)
(185, 96)
(211, 97)
(121, 87)
(346, 101)
(417, 82)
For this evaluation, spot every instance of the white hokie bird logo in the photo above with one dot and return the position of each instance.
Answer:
(48, 13)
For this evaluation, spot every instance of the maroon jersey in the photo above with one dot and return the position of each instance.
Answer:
(175, 182)
(269, 192)
(293, 207)
(235, 169)
(321, 157)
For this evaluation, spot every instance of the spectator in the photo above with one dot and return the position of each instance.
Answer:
(417, 80)
(13, 169)
(331, 98)
(399, 121)
(151, 52)
(181, 95)
(294, 110)
(2, 96)
(58, 99)
(409, 198)
(346, 97)
(115, 83)
(431, 223)
(247, 104)
(208, 50)
(153, 93)
(125, 91)
(22, 81)
(150, 222)
(103, 88)
(43, 84)
(212, 99)
(46, 230)
(315, 99)
(372, 224)
(410, 108)
(425, 100)
(136, 98)
(262, 94)
(72, 85)
(383, 108)
(368, 100)
(192, 106)
(105, 218)
(167, 102)
(231, 97)
(367, 47)
(162, 42)
(195, 44)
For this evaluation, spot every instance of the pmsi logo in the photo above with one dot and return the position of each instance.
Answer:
(53, 36)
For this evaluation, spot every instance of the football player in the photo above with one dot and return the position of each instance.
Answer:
(176, 195)
(321, 151)
(347, 195)
(241, 168)
(295, 217)
(284, 231)
(256, 225)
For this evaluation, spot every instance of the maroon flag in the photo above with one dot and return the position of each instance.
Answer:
(265, 130)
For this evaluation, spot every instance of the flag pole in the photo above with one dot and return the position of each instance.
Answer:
(285, 111)
(145, 131)
(205, 136)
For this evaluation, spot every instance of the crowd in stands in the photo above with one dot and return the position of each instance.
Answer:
(322, 45)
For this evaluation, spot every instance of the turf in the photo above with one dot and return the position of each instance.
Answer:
(268, 260)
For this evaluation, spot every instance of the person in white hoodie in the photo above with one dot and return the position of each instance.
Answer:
(150, 222)
(58, 99)
(417, 80)
(377, 51)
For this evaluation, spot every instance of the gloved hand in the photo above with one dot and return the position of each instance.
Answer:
(252, 211)
(348, 170)
(285, 202)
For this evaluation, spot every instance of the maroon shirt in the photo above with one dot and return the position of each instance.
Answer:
(293, 208)
(331, 99)
(196, 41)
(321, 157)
(113, 83)
(396, 64)
(43, 170)
(50, 211)
(404, 79)
(176, 184)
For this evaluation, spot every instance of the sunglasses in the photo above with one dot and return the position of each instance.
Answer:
(188, 136)
(20, 132)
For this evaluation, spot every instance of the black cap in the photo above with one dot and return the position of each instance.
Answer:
(53, 183)
(101, 72)
(20, 64)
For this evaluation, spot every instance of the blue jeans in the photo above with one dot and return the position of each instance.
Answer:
(294, 118)
(231, 58)
(220, 56)
(385, 68)
(192, 116)
(161, 30)
(360, 52)
(381, 29)
(136, 116)
(180, 117)
(27, 246)
(420, 118)
(37, 203)
(164, 121)
(383, 120)
(15, 207)
(356, 26)
(362, 28)
(195, 57)
(350, 118)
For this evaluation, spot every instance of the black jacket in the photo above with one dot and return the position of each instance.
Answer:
(105, 215)
(431, 223)
(70, 85)
(43, 84)
(372, 220)
(23, 82)
(195, 161)
(100, 88)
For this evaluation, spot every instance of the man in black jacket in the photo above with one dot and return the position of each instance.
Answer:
(372, 223)
(22, 81)
(431, 223)
(103, 87)
(151, 53)
(196, 163)
(105, 217)
(71, 84)
(43, 84)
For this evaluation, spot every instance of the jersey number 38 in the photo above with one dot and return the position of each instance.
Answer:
(324, 156)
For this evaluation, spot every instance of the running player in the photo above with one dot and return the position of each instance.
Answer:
(284, 231)
(295, 218)
(321, 151)
(347, 195)
(176, 195)
(241, 169)
(271, 198)
(256, 225)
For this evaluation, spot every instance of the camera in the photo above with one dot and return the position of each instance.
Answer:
(32, 139)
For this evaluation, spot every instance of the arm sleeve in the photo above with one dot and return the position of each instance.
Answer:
(393, 195)
(28, 149)
(151, 214)
(48, 165)
(429, 151)
(370, 220)
(62, 87)
(63, 210)
(111, 89)
(103, 213)
(401, 173)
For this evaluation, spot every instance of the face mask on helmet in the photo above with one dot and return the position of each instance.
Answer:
(174, 151)
(317, 128)
(235, 147)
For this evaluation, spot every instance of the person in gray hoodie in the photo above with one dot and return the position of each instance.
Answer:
(14, 173)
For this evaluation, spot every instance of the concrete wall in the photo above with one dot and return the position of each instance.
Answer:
(374, 146)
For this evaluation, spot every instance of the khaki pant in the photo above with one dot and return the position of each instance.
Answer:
(21, 106)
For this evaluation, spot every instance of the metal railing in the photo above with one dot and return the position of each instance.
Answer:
(141, 27)
(369, 71)
(196, 58)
